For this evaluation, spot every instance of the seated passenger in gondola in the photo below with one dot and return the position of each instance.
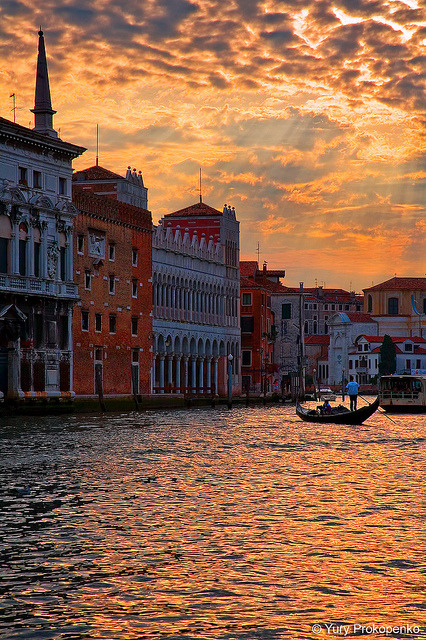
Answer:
(326, 408)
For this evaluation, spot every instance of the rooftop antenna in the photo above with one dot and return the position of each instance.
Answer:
(97, 145)
(258, 253)
(13, 96)
(201, 198)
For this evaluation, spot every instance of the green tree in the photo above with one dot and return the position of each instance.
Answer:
(387, 364)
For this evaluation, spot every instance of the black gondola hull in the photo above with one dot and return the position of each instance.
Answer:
(351, 417)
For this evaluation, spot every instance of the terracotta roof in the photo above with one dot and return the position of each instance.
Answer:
(317, 339)
(109, 209)
(400, 283)
(395, 339)
(96, 173)
(358, 316)
(248, 267)
(198, 209)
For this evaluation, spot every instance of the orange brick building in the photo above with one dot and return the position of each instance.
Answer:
(258, 370)
(112, 322)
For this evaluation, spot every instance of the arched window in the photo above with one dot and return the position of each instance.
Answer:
(393, 306)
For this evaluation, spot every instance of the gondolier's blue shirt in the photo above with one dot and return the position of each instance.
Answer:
(352, 388)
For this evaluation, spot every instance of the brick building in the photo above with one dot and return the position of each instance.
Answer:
(258, 369)
(112, 322)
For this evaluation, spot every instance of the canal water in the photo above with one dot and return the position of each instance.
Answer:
(211, 524)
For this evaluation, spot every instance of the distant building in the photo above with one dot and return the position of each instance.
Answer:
(344, 329)
(287, 305)
(321, 303)
(196, 290)
(37, 291)
(399, 306)
(316, 349)
(364, 359)
(259, 371)
(112, 321)
(130, 190)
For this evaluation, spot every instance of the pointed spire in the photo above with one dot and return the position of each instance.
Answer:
(43, 112)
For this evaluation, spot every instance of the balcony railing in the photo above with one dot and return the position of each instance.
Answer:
(38, 286)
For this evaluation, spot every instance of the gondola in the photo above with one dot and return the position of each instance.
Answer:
(344, 417)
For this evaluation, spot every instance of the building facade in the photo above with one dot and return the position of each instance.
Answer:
(344, 329)
(259, 372)
(321, 303)
(196, 289)
(112, 321)
(37, 291)
(364, 359)
(399, 306)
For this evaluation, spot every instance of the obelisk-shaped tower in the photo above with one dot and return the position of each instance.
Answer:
(43, 112)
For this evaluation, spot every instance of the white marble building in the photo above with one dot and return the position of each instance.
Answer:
(36, 276)
(196, 291)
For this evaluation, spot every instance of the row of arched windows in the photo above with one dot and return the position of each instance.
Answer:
(194, 300)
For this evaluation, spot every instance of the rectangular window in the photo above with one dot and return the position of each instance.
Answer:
(360, 347)
(326, 307)
(4, 247)
(37, 259)
(408, 347)
(111, 252)
(134, 288)
(350, 364)
(62, 258)
(135, 326)
(366, 347)
(135, 356)
(246, 358)
(112, 323)
(247, 324)
(111, 283)
(134, 257)
(98, 322)
(87, 280)
(22, 257)
(80, 244)
(408, 364)
(333, 307)
(268, 301)
(23, 175)
(62, 186)
(418, 364)
(37, 179)
(393, 306)
(84, 320)
(246, 299)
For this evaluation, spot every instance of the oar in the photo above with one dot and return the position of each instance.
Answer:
(379, 409)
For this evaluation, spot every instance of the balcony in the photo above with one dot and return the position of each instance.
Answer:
(38, 286)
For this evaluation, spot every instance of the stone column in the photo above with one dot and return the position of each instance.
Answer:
(215, 374)
(169, 370)
(185, 373)
(161, 381)
(14, 390)
(153, 372)
(201, 374)
(194, 374)
(209, 373)
(43, 250)
(177, 376)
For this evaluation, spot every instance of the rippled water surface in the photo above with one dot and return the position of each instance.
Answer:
(210, 524)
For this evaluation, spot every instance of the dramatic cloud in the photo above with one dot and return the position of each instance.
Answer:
(307, 116)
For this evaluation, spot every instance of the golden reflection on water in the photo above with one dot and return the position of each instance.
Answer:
(211, 524)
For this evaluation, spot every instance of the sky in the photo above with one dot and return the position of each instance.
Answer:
(307, 116)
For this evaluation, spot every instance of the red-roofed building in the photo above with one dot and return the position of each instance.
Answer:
(103, 182)
(398, 305)
(112, 322)
(196, 292)
(287, 306)
(365, 357)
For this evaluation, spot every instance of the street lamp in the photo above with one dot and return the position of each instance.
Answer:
(230, 359)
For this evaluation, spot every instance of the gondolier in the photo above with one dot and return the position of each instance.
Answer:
(352, 388)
